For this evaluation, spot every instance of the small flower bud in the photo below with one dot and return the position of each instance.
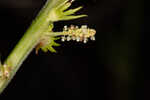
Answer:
(73, 38)
(84, 26)
(72, 27)
(68, 38)
(93, 38)
(65, 28)
(85, 40)
(63, 38)
(77, 27)
(77, 39)
(84, 29)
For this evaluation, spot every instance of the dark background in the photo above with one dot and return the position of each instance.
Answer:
(114, 67)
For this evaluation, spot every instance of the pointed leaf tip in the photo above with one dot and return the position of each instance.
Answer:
(72, 11)
(73, 17)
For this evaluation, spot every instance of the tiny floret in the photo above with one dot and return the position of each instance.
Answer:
(65, 28)
(63, 38)
(68, 38)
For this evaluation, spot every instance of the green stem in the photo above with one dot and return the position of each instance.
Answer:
(26, 44)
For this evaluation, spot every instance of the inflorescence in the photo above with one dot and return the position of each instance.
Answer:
(78, 34)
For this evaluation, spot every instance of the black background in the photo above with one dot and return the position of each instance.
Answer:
(114, 67)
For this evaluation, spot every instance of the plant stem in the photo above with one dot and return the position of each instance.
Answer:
(26, 44)
(53, 11)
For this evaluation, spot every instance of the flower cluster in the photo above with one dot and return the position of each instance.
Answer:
(75, 33)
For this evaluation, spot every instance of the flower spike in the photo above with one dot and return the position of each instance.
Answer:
(78, 34)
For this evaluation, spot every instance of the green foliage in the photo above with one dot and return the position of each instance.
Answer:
(60, 11)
